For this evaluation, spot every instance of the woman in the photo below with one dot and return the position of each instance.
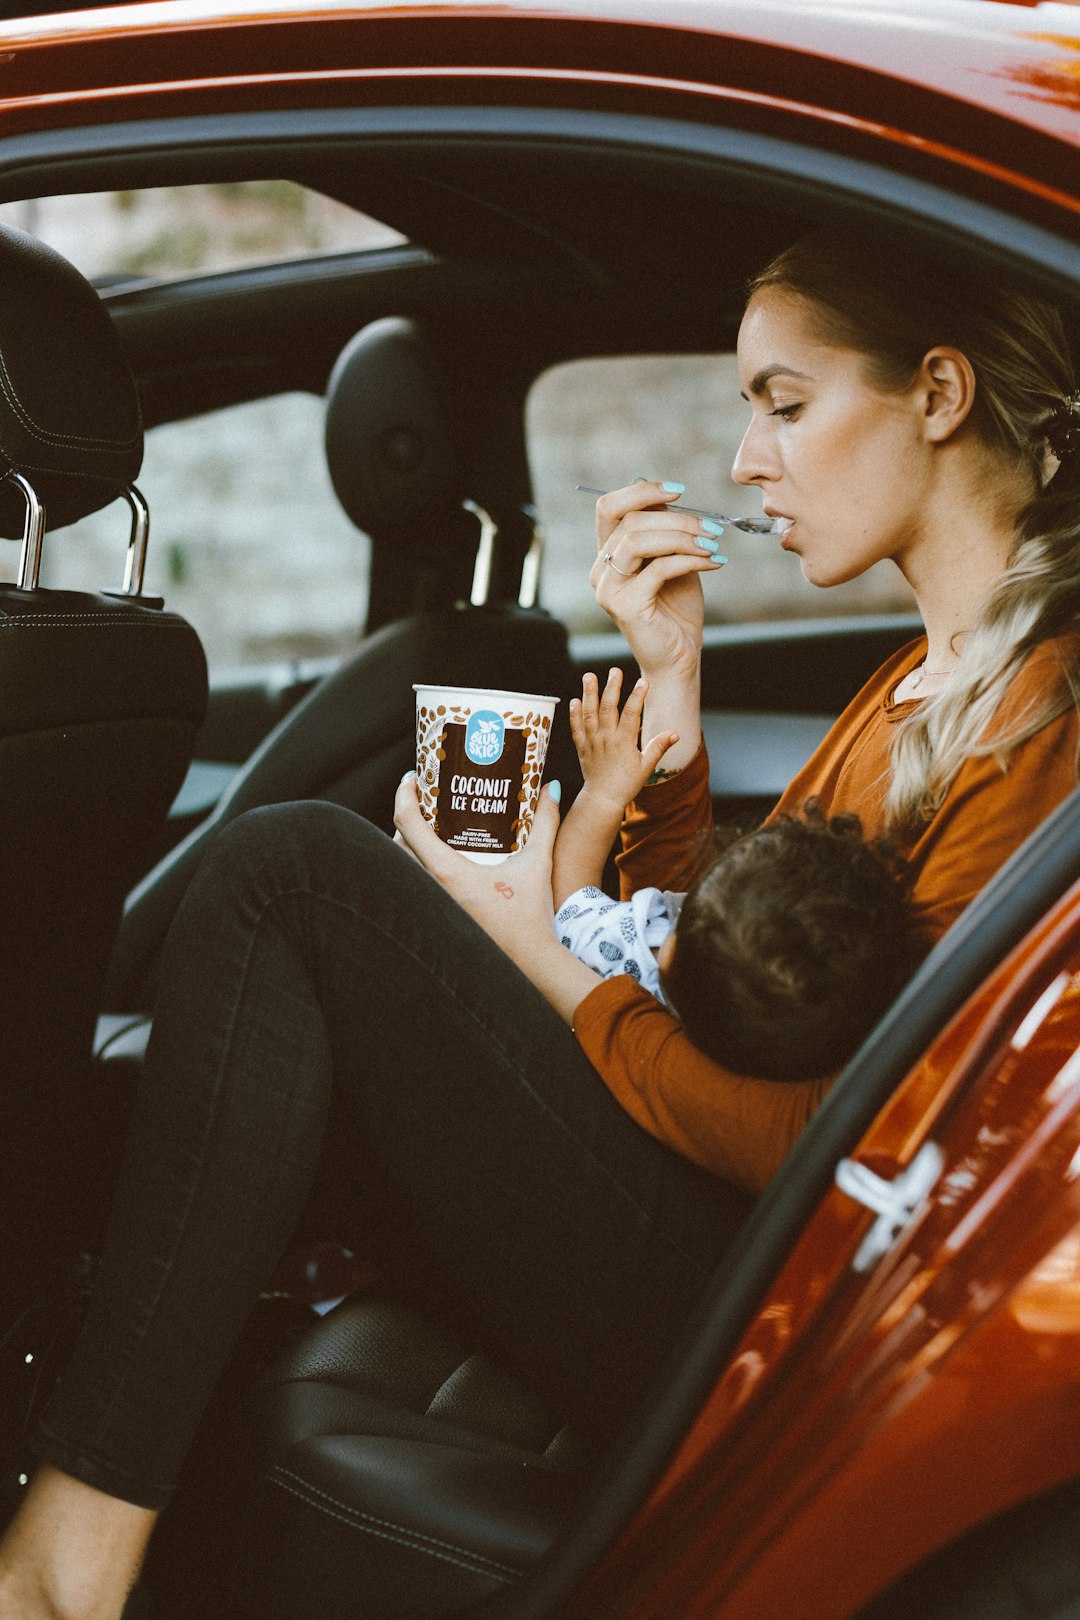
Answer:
(426, 1061)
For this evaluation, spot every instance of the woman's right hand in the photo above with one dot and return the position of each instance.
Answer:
(650, 587)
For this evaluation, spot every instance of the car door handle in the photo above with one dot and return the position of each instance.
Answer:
(896, 1202)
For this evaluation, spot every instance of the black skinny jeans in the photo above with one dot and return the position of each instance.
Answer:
(335, 1035)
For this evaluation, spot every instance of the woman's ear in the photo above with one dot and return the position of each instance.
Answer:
(666, 954)
(946, 385)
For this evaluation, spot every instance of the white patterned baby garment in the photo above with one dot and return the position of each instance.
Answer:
(618, 936)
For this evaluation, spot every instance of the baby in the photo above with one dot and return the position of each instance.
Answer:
(789, 947)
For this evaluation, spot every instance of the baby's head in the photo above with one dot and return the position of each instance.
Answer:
(791, 946)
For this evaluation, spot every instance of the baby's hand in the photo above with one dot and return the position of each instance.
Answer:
(613, 766)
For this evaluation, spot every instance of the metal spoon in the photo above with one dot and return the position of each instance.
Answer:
(748, 525)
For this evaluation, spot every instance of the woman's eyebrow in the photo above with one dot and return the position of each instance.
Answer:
(767, 373)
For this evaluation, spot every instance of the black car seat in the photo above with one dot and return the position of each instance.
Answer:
(394, 450)
(390, 1466)
(101, 697)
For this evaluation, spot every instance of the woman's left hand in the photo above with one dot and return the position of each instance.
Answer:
(510, 901)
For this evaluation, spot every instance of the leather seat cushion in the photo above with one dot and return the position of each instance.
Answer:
(399, 1471)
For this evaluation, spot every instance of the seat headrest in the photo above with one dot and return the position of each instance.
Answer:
(389, 447)
(69, 411)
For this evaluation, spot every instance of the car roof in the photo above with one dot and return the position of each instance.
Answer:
(1014, 57)
(981, 46)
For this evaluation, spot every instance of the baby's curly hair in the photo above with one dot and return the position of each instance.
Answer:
(792, 944)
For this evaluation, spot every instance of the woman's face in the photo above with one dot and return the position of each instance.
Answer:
(842, 460)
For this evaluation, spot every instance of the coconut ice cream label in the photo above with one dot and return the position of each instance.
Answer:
(479, 806)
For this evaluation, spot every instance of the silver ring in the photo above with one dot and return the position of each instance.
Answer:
(622, 571)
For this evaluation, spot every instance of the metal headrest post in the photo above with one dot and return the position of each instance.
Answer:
(485, 554)
(529, 589)
(140, 535)
(33, 534)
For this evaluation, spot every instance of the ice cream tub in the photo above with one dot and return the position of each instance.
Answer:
(479, 765)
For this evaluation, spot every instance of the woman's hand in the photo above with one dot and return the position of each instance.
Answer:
(656, 600)
(511, 901)
(649, 557)
(507, 899)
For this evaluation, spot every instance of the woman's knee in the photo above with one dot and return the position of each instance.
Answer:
(305, 827)
(299, 845)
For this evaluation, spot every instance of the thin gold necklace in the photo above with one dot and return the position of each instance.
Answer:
(920, 672)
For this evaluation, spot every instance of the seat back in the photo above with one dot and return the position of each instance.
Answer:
(101, 697)
(392, 452)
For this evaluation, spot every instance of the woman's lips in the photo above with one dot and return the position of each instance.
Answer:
(782, 526)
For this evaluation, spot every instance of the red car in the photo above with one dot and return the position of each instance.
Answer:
(877, 1413)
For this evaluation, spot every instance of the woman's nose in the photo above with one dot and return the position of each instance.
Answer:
(752, 464)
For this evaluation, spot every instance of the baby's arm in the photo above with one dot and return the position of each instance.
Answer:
(615, 771)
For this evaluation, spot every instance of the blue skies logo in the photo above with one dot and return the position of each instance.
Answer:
(484, 737)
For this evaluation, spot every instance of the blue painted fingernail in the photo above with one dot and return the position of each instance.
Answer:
(706, 544)
(555, 789)
(408, 776)
(719, 559)
(712, 528)
(670, 488)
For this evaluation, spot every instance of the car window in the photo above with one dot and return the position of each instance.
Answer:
(176, 230)
(604, 422)
(247, 539)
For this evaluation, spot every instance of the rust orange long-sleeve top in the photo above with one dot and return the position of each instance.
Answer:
(742, 1128)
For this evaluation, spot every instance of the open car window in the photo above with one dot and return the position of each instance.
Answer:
(164, 231)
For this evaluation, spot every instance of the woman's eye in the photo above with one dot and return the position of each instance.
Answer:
(788, 412)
